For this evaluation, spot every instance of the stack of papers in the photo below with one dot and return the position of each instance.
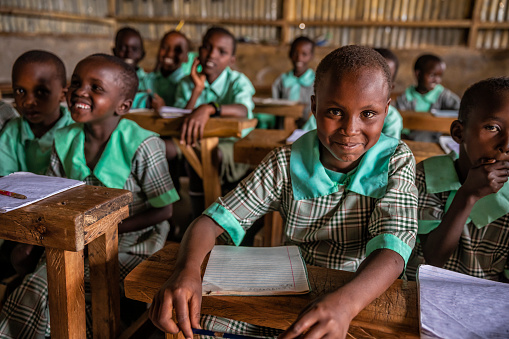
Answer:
(455, 305)
(34, 187)
(274, 102)
(444, 113)
(255, 271)
(173, 112)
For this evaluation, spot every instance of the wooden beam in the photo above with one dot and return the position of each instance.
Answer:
(56, 15)
(474, 28)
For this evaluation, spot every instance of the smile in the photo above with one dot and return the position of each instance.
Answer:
(210, 64)
(168, 61)
(80, 105)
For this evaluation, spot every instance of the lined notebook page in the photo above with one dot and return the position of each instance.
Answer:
(455, 305)
(255, 271)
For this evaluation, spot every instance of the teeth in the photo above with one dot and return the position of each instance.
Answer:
(82, 106)
(209, 64)
(129, 61)
(168, 61)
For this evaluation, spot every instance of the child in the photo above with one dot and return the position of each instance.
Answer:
(129, 47)
(216, 91)
(393, 122)
(103, 150)
(297, 84)
(346, 194)
(463, 215)
(7, 112)
(173, 53)
(429, 93)
(39, 84)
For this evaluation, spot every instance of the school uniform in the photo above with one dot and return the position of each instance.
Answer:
(166, 87)
(231, 87)
(393, 123)
(288, 86)
(336, 219)
(144, 84)
(134, 159)
(7, 112)
(438, 98)
(20, 150)
(483, 249)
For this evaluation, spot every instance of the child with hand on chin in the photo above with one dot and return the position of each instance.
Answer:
(345, 191)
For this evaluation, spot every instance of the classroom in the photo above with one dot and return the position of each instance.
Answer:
(373, 135)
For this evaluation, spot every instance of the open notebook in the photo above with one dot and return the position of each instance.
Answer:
(454, 305)
(34, 187)
(255, 271)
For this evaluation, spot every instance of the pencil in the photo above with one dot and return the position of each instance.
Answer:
(12, 194)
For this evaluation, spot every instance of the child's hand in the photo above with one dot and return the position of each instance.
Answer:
(182, 294)
(485, 178)
(157, 102)
(198, 78)
(194, 124)
(326, 317)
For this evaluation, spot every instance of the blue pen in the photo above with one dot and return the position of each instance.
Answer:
(221, 334)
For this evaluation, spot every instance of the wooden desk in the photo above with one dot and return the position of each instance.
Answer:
(204, 165)
(425, 121)
(64, 224)
(290, 113)
(424, 150)
(393, 315)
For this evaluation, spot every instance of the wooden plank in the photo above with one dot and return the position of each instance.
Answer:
(211, 181)
(292, 111)
(425, 121)
(65, 290)
(393, 313)
(191, 157)
(55, 15)
(104, 281)
(257, 144)
(62, 221)
(385, 23)
(424, 150)
(215, 127)
(475, 23)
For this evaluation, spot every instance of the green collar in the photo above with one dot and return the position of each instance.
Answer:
(441, 176)
(46, 141)
(294, 83)
(114, 165)
(174, 77)
(310, 179)
(218, 86)
(423, 102)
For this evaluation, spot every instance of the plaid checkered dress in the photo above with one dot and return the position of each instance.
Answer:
(335, 230)
(481, 252)
(26, 312)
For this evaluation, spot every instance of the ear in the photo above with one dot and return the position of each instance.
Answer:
(63, 95)
(387, 107)
(417, 73)
(457, 131)
(124, 107)
(313, 105)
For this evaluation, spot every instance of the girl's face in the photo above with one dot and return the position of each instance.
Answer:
(301, 56)
(172, 52)
(349, 114)
(130, 48)
(216, 53)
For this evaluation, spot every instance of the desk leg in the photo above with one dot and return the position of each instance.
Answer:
(289, 123)
(211, 182)
(104, 282)
(66, 292)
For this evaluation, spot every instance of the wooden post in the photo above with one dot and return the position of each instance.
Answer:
(211, 181)
(65, 290)
(285, 26)
(474, 27)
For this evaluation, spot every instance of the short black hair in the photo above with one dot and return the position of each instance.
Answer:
(127, 79)
(220, 30)
(478, 94)
(125, 30)
(389, 55)
(301, 39)
(349, 59)
(39, 56)
(179, 33)
(423, 60)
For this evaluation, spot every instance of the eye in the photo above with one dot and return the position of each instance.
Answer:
(492, 128)
(19, 91)
(74, 83)
(368, 114)
(97, 88)
(335, 112)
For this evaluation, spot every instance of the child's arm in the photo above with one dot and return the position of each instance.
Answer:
(147, 218)
(330, 315)
(483, 179)
(182, 292)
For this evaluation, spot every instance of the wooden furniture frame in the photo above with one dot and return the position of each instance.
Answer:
(425, 121)
(64, 224)
(289, 113)
(393, 315)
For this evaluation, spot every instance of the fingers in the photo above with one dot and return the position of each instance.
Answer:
(161, 314)
(300, 326)
(194, 311)
(183, 320)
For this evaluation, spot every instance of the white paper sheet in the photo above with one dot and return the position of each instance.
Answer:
(444, 113)
(255, 271)
(172, 112)
(274, 102)
(34, 187)
(296, 134)
(448, 144)
(454, 305)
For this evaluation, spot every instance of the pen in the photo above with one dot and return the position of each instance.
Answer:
(221, 334)
(12, 194)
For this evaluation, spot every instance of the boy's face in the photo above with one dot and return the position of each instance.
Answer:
(301, 56)
(95, 93)
(216, 54)
(485, 135)
(130, 48)
(38, 92)
(173, 52)
(431, 76)
(349, 115)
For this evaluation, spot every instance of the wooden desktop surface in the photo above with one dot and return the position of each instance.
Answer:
(393, 315)
(425, 121)
(64, 224)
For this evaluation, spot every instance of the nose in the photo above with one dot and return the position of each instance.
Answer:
(349, 125)
(504, 144)
(29, 100)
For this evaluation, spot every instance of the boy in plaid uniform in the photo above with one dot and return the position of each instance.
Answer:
(103, 150)
(346, 194)
(463, 201)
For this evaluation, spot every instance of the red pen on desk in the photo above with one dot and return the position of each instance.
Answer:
(12, 194)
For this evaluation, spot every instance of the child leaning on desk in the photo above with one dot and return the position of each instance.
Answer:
(463, 201)
(345, 191)
(102, 150)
